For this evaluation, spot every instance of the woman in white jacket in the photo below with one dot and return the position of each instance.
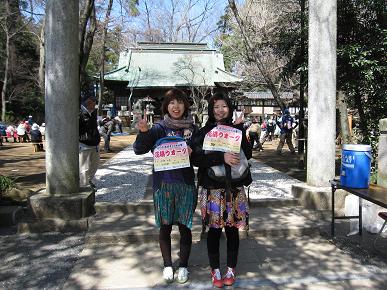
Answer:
(21, 131)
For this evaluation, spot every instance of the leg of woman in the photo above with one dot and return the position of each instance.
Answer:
(185, 245)
(165, 244)
(213, 238)
(232, 235)
(185, 249)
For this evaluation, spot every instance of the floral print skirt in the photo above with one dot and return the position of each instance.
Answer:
(217, 212)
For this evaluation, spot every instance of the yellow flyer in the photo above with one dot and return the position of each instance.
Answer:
(170, 156)
(223, 138)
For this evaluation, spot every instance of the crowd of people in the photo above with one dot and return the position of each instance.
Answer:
(25, 130)
(284, 127)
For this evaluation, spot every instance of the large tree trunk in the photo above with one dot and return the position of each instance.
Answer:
(13, 21)
(253, 56)
(301, 115)
(5, 79)
(363, 123)
(147, 13)
(42, 57)
(6, 67)
(102, 59)
(344, 126)
(86, 36)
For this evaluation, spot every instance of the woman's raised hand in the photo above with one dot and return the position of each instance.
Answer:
(241, 118)
(231, 159)
(142, 125)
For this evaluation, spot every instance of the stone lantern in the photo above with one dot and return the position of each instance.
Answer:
(149, 110)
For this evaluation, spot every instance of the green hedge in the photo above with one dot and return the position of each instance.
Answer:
(6, 183)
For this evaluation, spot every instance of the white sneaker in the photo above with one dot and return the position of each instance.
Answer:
(182, 275)
(168, 274)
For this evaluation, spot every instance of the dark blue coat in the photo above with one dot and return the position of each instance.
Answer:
(145, 142)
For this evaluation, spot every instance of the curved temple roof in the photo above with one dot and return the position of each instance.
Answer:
(171, 64)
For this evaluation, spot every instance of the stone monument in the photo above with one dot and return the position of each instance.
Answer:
(137, 113)
(149, 110)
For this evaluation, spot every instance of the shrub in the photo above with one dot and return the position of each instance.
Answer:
(6, 183)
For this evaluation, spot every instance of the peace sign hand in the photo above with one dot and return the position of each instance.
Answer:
(142, 125)
(241, 118)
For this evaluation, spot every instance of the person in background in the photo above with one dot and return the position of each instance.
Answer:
(28, 131)
(247, 124)
(270, 129)
(11, 132)
(118, 121)
(30, 121)
(106, 128)
(286, 124)
(21, 132)
(174, 193)
(254, 135)
(42, 130)
(36, 137)
(89, 139)
(263, 136)
(223, 204)
(3, 132)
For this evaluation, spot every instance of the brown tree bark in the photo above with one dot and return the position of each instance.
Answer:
(6, 60)
(42, 58)
(254, 57)
(363, 123)
(86, 36)
(344, 126)
(102, 56)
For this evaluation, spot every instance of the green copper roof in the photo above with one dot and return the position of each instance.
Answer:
(171, 64)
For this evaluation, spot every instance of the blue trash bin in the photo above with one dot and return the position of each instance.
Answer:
(355, 165)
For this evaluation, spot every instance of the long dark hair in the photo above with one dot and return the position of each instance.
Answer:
(175, 94)
(211, 102)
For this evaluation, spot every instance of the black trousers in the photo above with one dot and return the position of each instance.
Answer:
(165, 244)
(213, 238)
(255, 137)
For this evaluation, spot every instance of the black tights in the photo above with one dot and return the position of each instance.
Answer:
(213, 238)
(165, 244)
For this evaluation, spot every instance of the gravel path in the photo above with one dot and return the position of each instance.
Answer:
(269, 182)
(38, 261)
(126, 176)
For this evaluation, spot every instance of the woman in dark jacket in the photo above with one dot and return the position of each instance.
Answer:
(36, 137)
(223, 204)
(174, 192)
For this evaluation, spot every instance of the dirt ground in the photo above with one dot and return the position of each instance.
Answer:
(17, 160)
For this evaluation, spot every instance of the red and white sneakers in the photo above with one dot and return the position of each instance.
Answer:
(229, 278)
(217, 278)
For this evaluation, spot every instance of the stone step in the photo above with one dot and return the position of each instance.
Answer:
(31, 225)
(124, 208)
(146, 205)
(274, 202)
(138, 226)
